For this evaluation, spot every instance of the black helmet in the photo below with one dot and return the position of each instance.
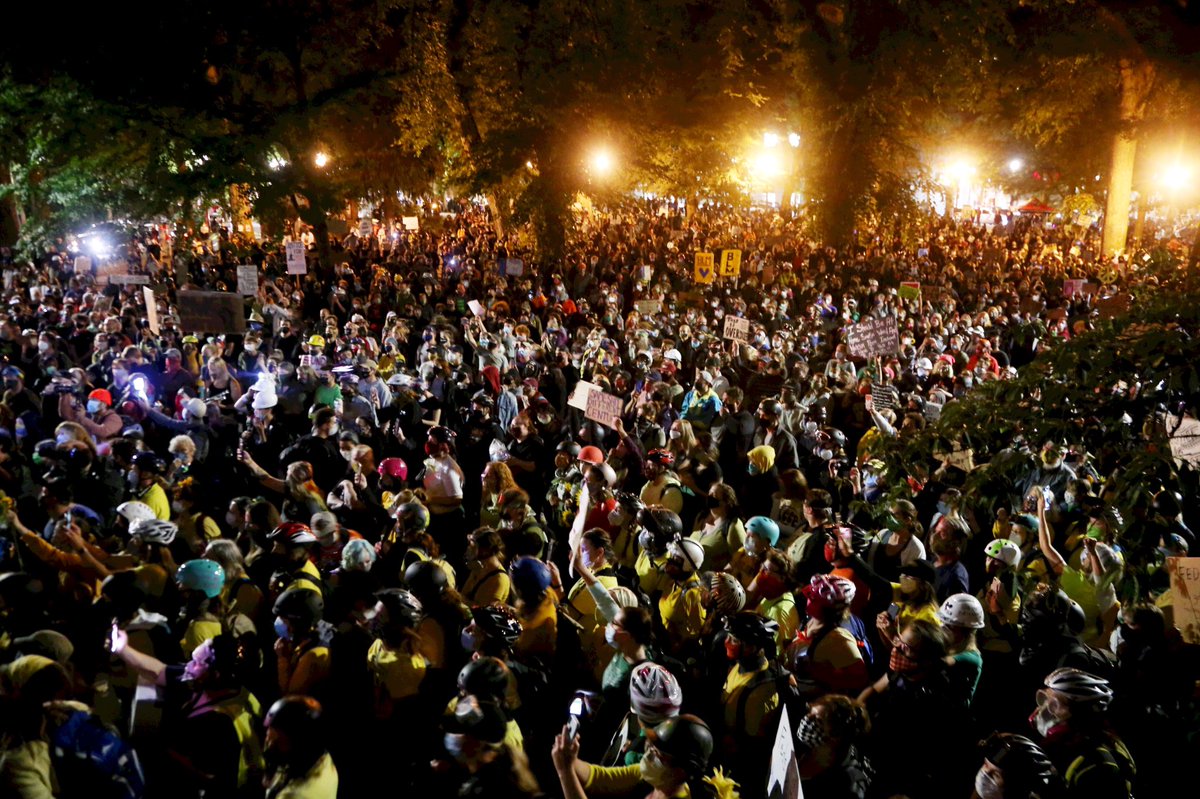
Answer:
(426, 579)
(1047, 608)
(771, 407)
(402, 606)
(1023, 762)
(298, 716)
(753, 629)
(686, 740)
(442, 435)
(497, 622)
(486, 678)
(662, 523)
(570, 447)
(301, 605)
(149, 462)
(630, 503)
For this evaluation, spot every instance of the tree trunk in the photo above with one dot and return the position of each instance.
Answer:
(10, 212)
(1140, 224)
(1137, 79)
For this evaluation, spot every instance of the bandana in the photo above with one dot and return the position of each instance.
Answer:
(902, 663)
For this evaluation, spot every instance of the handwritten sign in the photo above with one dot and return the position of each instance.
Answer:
(731, 263)
(705, 267)
(477, 307)
(783, 776)
(603, 408)
(1073, 287)
(909, 290)
(365, 228)
(736, 328)
(514, 267)
(247, 277)
(411, 223)
(647, 307)
(579, 395)
(1185, 596)
(1185, 438)
(874, 337)
(151, 309)
(211, 312)
(645, 273)
(296, 264)
(129, 280)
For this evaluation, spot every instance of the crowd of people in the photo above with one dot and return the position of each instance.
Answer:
(377, 540)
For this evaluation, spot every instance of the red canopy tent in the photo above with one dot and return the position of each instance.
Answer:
(1035, 206)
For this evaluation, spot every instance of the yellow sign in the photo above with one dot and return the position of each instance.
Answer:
(705, 270)
(731, 263)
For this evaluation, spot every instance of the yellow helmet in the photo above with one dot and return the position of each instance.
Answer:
(316, 341)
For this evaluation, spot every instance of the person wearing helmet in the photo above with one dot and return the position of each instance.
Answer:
(658, 526)
(750, 696)
(662, 486)
(592, 553)
(490, 680)
(537, 609)
(478, 762)
(564, 486)
(145, 480)
(443, 481)
(296, 748)
(681, 609)
(200, 585)
(394, 659)
(445, 614)
(653, 696)
(825, 654)
(1014, 767)
(97, 417)
(771, 596)
(393, 473)
(1050, 625)
(492, 632)
(1070, 720)
(962, 617)
(762, 533)
(151, 541)
(291, 555)
(302, 659)
(623, 520)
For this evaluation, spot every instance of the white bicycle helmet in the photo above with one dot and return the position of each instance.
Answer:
(690, 554)
(135, 511)
(654, 693)
(154, 531)
(832, 590)
(1080, 687)
(1004, 551)
(961, 610)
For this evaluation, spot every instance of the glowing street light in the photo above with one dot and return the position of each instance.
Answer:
(602, 162)
(960, 171)
(770, 140)
(1175, 177)
(1014, 165)
(321, 159)
(794, 139)
(766, 164)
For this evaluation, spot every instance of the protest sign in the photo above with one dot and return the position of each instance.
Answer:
(151, 309)
(514, 267)
(783, 777)
(959, 457)
(736, 328)
(129, 280)
(247, 276)
(705, 268)
(909, 290)
(579, 396)
(647, 307)
(1116, 305)
(645, 273)
(365, 228)
(211, 312)
(477, 307)
(1184, 438)
(337, 226)
(731, 263)
(1073, 287)
(296, 264)
(411, 223)
(1185, 596)
(874, 337)
(603, 408)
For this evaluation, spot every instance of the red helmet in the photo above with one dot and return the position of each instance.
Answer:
(830, 591)
(393, 467)
(103, 395)
(293, 533)
(591, 454)
(661, 456)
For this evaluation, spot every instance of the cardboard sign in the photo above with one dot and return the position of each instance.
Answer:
(1185, 596)
(296, 264)
(365, 228)
(579, 395)
(151, 309)
(514, 267)
(477, 307)
(909, 290)
(645, 273)
(83, 264)
(960, 458)
(411, 223)
(783, 776)
(247, 276)
(874, 337)
(211, 312)
(647, 307)
(736, 328)
(705, 267)
(603, 408)
(129, 280)
(1073, 287)
(1185, 438)
(731, 263)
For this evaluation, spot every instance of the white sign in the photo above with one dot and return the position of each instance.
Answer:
(1185, 596)
(783, 778)
(296, 265)
(514, 267)
(477, 307)
(136, 280)
(603, 408)
(647, 307)
(151, 309)
(364, 228)
(579, 396)
(247, 279)
(411, 222)
(1185, 438)
(83, 264)
(737, 328)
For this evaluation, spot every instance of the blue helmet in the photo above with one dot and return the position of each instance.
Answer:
(202, 575)
(764, 528)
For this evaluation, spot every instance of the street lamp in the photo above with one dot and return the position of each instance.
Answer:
(602, 162)
(1014, 165)
(766, 164)
(770, 140)
(321, 159)
(1175, 177)
(794, 139)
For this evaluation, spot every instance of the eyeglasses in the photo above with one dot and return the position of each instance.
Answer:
(903, 646)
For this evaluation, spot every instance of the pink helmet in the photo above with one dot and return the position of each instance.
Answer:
(395, 468)
(831, 591)
(654, 693)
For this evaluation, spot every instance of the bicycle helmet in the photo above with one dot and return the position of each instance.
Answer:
(485, 677)
(689, 553)
(654, 693)
(660, 522)
(401, 606)
(1004, 551)
(591, 454)
(831, 591)
(206, 576)
(395, 468)
(530, 575)
(300, 604)
(426, 579)
(570, 447)
(149, 462)
(686, 740)
(630, 503)
(293, 534)
(497, 622)
(134, 511)
(962, 610)
(660, 456)
(751, 628)
(154, 531)
(1079, 687)
(764, 528)
(1025, 765)
(727, 593)
(414, 515)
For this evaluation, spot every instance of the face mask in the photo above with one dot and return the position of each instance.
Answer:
(281, 630)
(771, 586)
(62, 438)
(753, 469)
(610, 636)
(733, 649)
(654, 772)
(810, 733)
(617, 517)
(987, 787)
(1044, 721)
(1115, 640)
(943, 508)
(453, 744)
(43, 346)
(675, 434)
(132, 479)
(231, 520)
(1069, 498)
(902, 663)
(176, 506)
(468, 640)
(333, 431)
(251, 349)
(94, 406)
(646, 541)
(588, 560)
(752, 547)
(831, 553)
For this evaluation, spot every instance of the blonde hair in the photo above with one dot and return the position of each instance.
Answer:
(182, 444)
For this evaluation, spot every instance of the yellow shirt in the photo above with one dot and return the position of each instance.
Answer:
(607, 780)
(197, 633)
(539, 631)
(581, 606)
(760, 708)
(486, 586)
(683, 612)
(156, 498)
(651, 577)
(664, 491)
(782, 611)
(398, 673)
(310, 569)
(321, 782)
